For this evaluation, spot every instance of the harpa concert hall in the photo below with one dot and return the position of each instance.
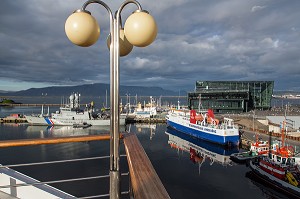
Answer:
(231, 96)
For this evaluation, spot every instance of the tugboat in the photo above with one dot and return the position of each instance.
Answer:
(280, 169)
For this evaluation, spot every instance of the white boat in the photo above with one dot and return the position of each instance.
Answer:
(71, 114)
(204, 126)
(147, 111)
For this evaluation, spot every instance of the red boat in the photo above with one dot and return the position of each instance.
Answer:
(280, 168)
(260, 147)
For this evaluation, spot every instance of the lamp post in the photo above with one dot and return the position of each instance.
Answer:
(139, 30)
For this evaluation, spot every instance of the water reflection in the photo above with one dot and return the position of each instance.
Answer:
(65, 131)
(200, 151)
(145, 128)
(267, 192)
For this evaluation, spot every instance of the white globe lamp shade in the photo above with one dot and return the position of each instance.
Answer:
(140, 28)
(82, 28)
(124, 45)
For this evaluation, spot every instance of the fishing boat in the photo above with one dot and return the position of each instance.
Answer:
(281, 168)
(146, 111)
(72, 114)
(204, 125)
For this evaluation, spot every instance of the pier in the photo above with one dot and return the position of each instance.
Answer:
(145, 120)
(13, 120)
(33, 105)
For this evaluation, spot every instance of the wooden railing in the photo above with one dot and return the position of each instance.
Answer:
(145, 182)
(28, 142)
(144, 179)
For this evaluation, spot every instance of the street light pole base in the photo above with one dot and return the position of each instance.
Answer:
(114, 190)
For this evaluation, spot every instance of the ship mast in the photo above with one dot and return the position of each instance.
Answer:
(283, 131)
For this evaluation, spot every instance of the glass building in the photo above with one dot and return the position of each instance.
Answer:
(231, 96)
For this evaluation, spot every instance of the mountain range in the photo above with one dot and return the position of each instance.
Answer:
(97, 89)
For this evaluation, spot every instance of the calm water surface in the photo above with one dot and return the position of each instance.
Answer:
(209, 174)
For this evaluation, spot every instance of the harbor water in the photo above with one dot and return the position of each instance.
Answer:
(211, 174)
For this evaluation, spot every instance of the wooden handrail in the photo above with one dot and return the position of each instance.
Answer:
(145, 181)
(38, 141)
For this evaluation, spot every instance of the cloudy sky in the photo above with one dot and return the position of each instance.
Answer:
(197, 40)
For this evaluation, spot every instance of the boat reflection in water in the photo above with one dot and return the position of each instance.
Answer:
(200, 151)
(65, 131)
(144, 128)
(267, 191)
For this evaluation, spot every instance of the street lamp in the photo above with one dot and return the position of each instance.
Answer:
(139, 30)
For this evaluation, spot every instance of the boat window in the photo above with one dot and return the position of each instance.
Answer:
(283, 160)
(293, 160)
(270, 155)
(278, 159)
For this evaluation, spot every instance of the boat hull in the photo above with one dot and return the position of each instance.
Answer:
(275, 182)
(47, 121)
(242, 157)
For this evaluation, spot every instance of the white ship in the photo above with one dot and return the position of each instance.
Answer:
(147, 111)
(204, 126)
(71, 114)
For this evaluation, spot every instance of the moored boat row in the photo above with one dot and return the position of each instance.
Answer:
(72, 114)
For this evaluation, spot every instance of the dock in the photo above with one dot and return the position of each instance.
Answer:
(39, 105)
(130, 120)
(13, 120)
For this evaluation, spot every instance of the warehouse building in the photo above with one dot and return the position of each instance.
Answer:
(231, 96)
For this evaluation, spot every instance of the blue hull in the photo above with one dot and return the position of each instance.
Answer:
(222, 140)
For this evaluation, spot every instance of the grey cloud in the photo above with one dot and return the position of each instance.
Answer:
(197, 40)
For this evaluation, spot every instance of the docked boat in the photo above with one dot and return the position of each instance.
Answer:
(257, 149)
(205, 126)
(72, 114)
(146, 111)
(243, 157)
(281, 168)
(82, 126)
(283, 173)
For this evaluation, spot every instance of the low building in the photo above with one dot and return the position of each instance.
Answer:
(231, 96)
